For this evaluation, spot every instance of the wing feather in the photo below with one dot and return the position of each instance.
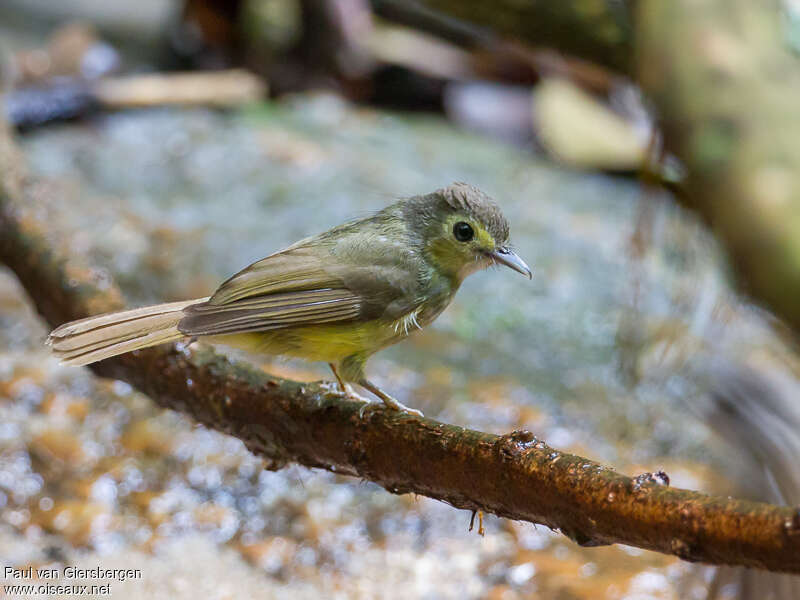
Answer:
(297, 268)
(286, 289)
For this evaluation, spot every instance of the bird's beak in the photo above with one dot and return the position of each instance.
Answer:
(506, 257)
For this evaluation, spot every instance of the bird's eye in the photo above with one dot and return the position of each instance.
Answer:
(463, 231)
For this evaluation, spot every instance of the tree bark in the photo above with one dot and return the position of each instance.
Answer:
(513, 475)
(727, 88)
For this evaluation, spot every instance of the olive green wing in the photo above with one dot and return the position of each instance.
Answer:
(291, 288)
(299, 267)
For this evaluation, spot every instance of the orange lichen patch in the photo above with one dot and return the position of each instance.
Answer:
(269, 554)
(212, 515)
(570, 571)
(114, 466)
(505, 592)
(147, 502)
(150, 545)
(148, 435)
(97, 486)
(5, 395)
(30, 225)
(544, 565)
(56, 405)
(22, 378)
(75, 520)
(80, 488)
(60, 445)
(97, 303)
(143, 500)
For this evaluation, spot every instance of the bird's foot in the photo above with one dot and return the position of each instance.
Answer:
(332, 389)
(388, 401)
(396, 406)
(393, 404)
(346, 391)
(362, 412)
(343, 390)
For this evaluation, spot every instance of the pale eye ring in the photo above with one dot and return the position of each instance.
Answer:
(463, 231)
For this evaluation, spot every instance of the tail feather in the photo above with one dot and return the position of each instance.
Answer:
(95, 338)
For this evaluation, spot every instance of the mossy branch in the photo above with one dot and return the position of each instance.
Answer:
(515, 475)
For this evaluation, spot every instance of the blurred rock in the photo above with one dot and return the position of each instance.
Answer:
(498, 110)
(74, 50)
(269, 554)
(580, 131)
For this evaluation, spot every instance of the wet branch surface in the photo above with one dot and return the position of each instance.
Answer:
(515, 475)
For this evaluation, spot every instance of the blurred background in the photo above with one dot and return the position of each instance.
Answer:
(175, 142)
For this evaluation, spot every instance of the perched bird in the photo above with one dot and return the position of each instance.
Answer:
(337, 297)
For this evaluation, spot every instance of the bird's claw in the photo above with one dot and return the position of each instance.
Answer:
(334, 389)
(389, 403)
(331, 388)
(368, 406)
(406, 409)
(392, 405)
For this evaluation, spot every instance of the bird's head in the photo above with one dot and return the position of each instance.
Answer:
(463, 231)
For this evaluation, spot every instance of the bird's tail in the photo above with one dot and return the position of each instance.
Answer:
(89, 340)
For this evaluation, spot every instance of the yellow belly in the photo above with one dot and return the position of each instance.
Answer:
(324, 342)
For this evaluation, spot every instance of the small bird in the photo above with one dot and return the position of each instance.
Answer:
(337, 297)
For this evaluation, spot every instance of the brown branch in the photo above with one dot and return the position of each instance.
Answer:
(601, 32)
(513, 475)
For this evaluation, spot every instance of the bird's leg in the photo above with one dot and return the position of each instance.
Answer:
(345, 390)
(342, 384)
(387, 399)
(353, 369)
